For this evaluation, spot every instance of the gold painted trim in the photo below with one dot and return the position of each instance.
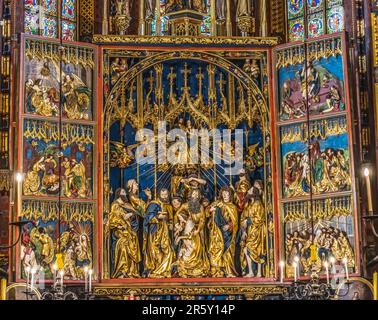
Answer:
(251, 292)
(259, 41)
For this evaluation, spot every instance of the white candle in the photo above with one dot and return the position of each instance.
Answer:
(368, 191)
(27, 277)
(345, 261)
(282, 265)
(33, 271)
(327, 271)
(332, 262)
(295, 271)
(296, 259)
(61, 273)
(86, 278)
(90, 280)
(55, 269)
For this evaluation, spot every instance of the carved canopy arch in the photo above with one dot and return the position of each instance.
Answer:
(256, 97)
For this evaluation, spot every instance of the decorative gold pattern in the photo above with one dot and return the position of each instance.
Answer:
(87, 18)
(41, 50)
(316, 50)
(49, 211)
(4, 180)
(251, 292)
(324, 209)
(318, 129)
(234, 41)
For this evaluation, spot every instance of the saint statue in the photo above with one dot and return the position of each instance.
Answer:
(253, 233)
(123, 221)
(224, 228)
(241, 189)
(192, 260)
(221, 9)
(157, 229)
(150, 9)
(137, 203)
(244, 8)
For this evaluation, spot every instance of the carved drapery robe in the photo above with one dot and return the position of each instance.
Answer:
(221, 9)
(127, 252)
(158, 251)
(244, 8)
(226, 214)
(255, 242)
(192, 260)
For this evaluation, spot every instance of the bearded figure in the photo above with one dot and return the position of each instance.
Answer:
(192, 260)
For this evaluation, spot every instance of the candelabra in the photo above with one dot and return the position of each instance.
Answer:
(313, 289)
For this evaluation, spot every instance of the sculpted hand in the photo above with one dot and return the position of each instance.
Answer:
(128, 215)
(226, 228)
(162, 216)
(148, 193)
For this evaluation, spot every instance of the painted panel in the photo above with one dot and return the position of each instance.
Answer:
(42, 78)
(57, 160)
(194, 91)
(329, 169)
(324, 74)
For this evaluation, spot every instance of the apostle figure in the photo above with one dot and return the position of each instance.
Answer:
(244, 8)
(133, 194)
(157, 248)
(123, 221)
(150, 9)
(223, 234)
(253, 233)
(221, 10)
(192, 260)
(242, 187)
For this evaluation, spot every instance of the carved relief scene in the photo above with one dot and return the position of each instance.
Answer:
(42, 85)
(324, 75)
(198, 213)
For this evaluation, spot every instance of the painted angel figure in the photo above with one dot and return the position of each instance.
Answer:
(76, 97)
(121, 156)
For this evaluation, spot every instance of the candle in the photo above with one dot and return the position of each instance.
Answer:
(282, 265)
(19, 179)
(332, 262)
(33, 271)
(327, 271)
(368, 191)
(61, 273)
(86, 278)
(27, 277)
(345, 261)
(90, 280)
(296, 259)
(55, 269)
(295, 271)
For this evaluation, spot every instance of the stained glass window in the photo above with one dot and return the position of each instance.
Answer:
(322, 17)
(206, 24)
(42, 18)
